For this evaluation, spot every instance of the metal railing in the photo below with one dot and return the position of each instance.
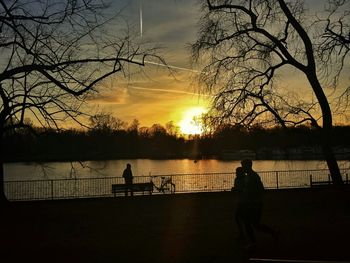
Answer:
(203, 182)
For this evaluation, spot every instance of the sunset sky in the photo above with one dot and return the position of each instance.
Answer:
(156, 96)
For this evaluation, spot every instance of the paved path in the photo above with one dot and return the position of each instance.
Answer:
(313, 225)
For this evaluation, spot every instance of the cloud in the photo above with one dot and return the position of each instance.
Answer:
(116, 96)
(152, 94)
(168, 23)
(155, 107)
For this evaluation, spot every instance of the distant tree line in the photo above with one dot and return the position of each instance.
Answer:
(111, 138)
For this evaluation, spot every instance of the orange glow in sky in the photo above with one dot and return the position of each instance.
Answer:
(191, 122)
(153, 94)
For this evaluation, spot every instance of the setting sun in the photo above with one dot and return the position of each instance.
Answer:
(191, 122)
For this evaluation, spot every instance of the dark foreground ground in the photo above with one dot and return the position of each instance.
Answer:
(313, 224)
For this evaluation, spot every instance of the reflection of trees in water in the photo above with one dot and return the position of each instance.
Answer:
(61, 170)
(45, 169)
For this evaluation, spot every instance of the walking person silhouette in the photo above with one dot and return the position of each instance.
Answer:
(253, 201)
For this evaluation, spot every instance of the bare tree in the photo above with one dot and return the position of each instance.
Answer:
(54, 54)
(334, 44)
(106, 122)
(244, 46)
(134, 126)
(171, 128)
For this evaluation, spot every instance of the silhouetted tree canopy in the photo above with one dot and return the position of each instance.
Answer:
(245, 45)
(53, 55)
(155, 142)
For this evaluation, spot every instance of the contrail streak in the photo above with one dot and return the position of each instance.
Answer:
(170, 91)
(141, 22)
(170, 66)
(165, 65)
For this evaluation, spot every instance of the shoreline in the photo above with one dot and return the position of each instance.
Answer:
(103, 158)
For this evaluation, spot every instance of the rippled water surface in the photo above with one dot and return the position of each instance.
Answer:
(111, 168)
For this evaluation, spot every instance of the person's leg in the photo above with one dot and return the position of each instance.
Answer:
(248, 224)
(258, 225)
(239, 217)
(251, 236)
(265, 229)
(240, 225)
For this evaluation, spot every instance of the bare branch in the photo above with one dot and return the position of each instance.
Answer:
(55, 54)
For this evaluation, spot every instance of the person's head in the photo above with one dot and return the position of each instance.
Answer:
(128, 165)
(247, 164)
(239, 172)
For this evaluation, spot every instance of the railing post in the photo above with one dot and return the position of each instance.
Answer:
(277, 179)
(310, 180)
(51, 189)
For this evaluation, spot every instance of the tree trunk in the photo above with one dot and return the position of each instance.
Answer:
(311, 74)
(3, 199)
(331, 161)
(326, 129)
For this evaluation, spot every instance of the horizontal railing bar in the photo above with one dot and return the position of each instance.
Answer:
(67, 179)
(56, 189)
(160, 175)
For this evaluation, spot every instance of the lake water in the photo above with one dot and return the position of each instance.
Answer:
(145, 167)
(31, 181)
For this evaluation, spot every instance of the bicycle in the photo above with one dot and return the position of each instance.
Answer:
(166, 185)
